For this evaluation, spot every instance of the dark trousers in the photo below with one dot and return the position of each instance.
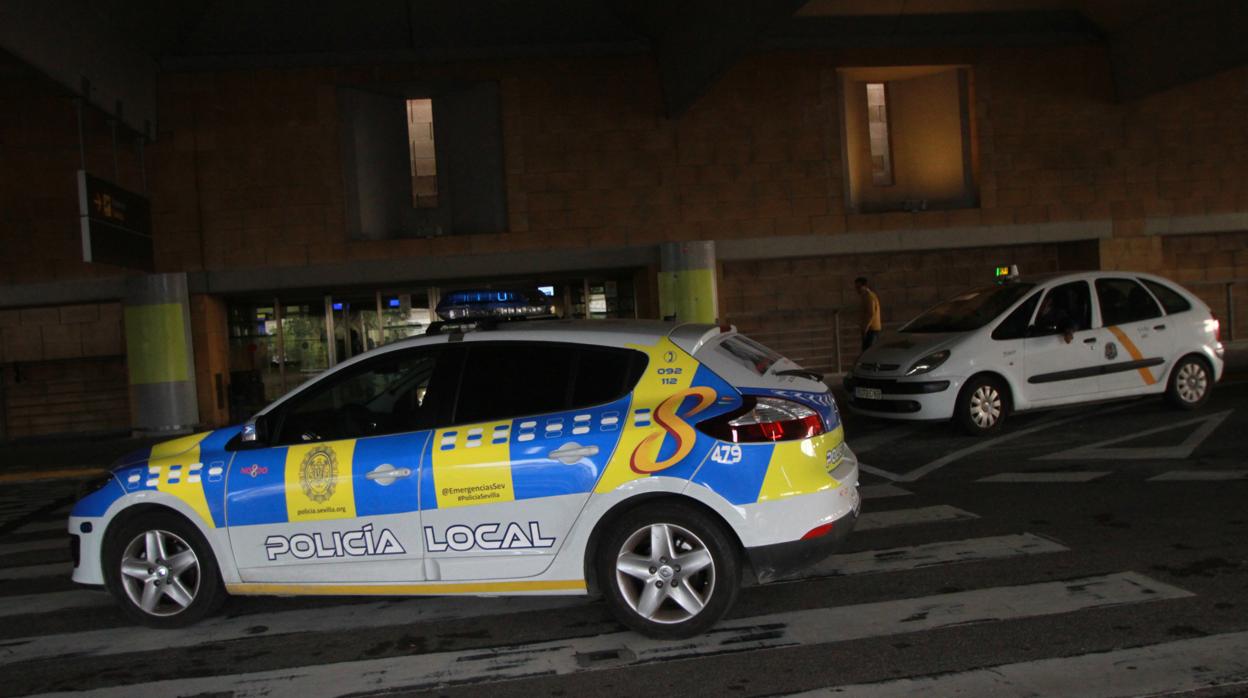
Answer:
(868, 338)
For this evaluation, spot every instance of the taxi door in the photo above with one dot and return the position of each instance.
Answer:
(1135, 357)
(501, 489)
(335, 498)
(1057, 370)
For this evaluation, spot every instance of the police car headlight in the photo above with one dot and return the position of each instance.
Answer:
(928, 363)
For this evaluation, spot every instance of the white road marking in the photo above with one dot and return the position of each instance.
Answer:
(1073, 476)
(52, 601)
(882, 491)
(1200, 475)
(1169, 668)
(57, 543)
(41, 526)
(55, 569)
(1098, 450)
(874, 520)
(621, 649)
(880, 438)
(993, 443)
(322, 619)
(340, 618)
(879, 472)
(935, 554)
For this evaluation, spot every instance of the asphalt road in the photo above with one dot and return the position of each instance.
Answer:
(1095, 551)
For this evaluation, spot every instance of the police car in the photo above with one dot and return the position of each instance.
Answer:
(658, 465)
(1052, 340)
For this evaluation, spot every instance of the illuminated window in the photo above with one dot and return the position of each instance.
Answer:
(423, 158)
(908, 135)
(877, 134)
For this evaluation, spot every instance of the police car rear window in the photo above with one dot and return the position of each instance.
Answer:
(504, 380)
(748, 353)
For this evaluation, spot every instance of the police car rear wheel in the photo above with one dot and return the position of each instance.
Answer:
(1189, 383)
(669, 571)
(982, 406)
(162, 571)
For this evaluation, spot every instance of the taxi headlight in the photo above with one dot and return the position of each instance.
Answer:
(928, 363)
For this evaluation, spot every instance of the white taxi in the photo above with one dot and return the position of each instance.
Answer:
(1025, 343)
(653, 463)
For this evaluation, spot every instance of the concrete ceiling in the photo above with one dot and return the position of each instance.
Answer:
(1154, 44)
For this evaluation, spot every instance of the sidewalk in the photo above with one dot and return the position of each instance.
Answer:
(66, 457)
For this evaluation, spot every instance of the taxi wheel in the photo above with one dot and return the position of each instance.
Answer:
(1190, 383)
(162, 571)
(982, 406)
(668, 571)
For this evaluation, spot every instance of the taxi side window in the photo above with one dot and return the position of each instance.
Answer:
(1016, 323)
(1067, 307)
(1170, 299)
(1123, 301)
(505, 380)
(385, 395)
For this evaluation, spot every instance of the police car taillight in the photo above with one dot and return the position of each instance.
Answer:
(1214, 324)
(765, 419)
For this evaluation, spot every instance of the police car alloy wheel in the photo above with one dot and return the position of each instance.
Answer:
(1189, 383)
(163, 572)
(982, 406)
(668, 571)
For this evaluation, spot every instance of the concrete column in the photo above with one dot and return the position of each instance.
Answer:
(158, 352)
(687, 289)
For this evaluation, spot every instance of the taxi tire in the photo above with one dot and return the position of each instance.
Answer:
(211, 592)
(1182, 369)
(719, 543)
(962, 412)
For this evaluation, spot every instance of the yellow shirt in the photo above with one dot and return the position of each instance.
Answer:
(870, 310)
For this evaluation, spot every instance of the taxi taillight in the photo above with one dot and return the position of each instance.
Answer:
(765, 419)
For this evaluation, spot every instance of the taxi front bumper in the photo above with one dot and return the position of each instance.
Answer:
(894, 398)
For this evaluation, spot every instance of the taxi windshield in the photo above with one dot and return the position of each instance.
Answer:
(970, 310)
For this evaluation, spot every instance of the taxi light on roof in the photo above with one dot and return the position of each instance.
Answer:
(1006, 273)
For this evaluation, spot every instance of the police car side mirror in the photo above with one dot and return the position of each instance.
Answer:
(255, 434)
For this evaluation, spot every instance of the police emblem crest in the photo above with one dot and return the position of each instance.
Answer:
(318, 474)
(1111, 351)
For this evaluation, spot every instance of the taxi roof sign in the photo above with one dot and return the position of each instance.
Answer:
(1006, 273)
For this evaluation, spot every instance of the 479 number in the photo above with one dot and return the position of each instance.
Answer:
(726, 453)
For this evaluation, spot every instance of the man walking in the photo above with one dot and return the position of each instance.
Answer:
(870, 315)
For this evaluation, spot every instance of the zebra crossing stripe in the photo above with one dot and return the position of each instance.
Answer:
(56, 543)
(43, 526)
(35, 571)
(935, 554)
(1200, 476)
(343, 617)
(1216, 661)
(52, 601)
(873, 520)
(623, 649)
(882, 491)
(1041, 477)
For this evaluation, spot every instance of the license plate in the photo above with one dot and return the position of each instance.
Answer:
(869, 393)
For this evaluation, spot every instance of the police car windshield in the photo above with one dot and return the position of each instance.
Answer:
(970, 310)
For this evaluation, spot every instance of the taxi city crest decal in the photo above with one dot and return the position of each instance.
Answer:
(318, 474)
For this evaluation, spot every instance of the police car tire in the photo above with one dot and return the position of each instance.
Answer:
(708, 532)
(963, 413)
(209, 593)
(1183, 370)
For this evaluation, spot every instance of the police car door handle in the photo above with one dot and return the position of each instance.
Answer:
(1159, 327)
(385, 474)
(572, 452)
(1090, 340)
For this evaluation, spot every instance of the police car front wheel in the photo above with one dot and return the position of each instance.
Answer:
(668, 571)
(162, 571)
